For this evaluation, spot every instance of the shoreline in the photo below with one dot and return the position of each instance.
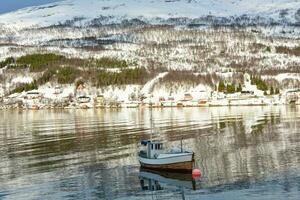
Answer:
(140, 107)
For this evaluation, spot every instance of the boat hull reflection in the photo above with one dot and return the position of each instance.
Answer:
(156, 180)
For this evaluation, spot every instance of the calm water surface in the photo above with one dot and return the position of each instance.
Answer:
(243, 153)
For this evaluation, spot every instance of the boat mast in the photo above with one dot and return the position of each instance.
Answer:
(151, 118)
(181, 145)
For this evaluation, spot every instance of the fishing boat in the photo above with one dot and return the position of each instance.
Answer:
(155, 157)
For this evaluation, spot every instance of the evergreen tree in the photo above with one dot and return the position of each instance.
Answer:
(230, 88)
(221, 87)
(261, 85)
(239, 88)
(271, 90)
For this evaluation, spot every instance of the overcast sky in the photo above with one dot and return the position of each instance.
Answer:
(11, 5)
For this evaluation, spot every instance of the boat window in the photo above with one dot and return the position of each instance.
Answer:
(158, 146)
(151, 146)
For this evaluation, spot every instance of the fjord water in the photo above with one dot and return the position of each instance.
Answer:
(243, 152)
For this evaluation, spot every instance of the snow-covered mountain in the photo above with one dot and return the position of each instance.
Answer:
(257, 36)
(99, 12)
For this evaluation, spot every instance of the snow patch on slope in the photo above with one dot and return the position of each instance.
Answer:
(22, 79)
(284, 76)
(148, 87)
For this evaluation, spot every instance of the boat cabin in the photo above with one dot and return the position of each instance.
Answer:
(152, 149)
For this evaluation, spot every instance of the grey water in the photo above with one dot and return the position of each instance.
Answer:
(242, 152)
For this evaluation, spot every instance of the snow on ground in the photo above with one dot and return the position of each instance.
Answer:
(198, 92)
(112, 11)
(49, 92)
(284, 76)
(4, 52)
(148, 87)
(22, 79)
(122, 93)
(2, 70)
(1, 91)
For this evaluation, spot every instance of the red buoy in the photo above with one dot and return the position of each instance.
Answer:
(196, 173)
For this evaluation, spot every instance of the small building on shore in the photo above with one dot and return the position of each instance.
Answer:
(33, 94)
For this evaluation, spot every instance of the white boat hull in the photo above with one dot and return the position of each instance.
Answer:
(178, 162)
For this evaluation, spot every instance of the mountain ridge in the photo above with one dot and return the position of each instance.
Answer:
(86, 12)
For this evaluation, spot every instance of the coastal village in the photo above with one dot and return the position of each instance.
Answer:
(81, 97)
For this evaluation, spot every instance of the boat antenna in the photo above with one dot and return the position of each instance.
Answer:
(151, 118)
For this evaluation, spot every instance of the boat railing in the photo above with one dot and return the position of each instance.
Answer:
(176, 150)
(143, 154)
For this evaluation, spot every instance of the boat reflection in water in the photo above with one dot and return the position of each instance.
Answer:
(155, 180)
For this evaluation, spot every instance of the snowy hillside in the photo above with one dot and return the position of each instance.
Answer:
(91, 12)
(208, 41)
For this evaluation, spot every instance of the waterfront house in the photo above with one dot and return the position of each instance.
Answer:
(99, 101)
(57, 90)
(34, 94)
(32, 100)
(130, 104)
(83, 99)
(187, 97)
(84, 102)
(169, 102)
